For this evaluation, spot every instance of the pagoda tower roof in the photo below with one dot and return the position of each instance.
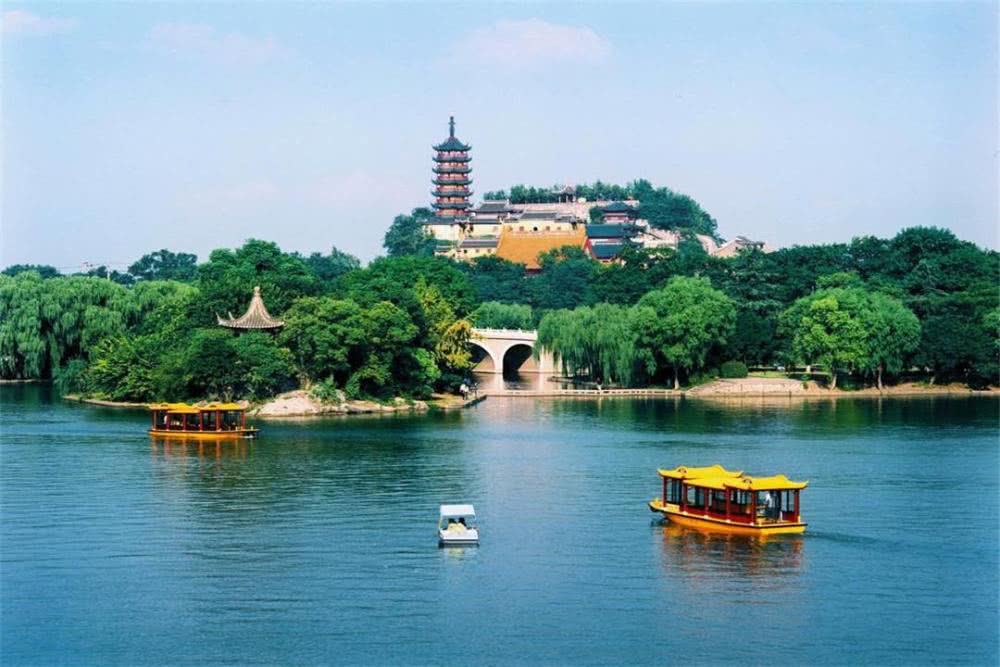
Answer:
(452, 143)
(256, 317)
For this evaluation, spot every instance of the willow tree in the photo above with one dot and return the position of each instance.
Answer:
(680, 324)
(597, 342)
(46, 323)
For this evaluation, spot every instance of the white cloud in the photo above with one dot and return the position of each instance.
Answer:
(20, 22)
(205, 41)
(531, 43)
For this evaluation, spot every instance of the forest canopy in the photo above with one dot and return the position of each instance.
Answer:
(922, 305)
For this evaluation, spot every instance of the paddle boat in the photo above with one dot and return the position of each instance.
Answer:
(716, 499)
(209, 421)
(457, 526)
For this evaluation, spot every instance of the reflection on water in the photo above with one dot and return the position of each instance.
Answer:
(514, 381)
(694, 553)
(201, 447)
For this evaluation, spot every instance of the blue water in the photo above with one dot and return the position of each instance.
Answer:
(316, 543)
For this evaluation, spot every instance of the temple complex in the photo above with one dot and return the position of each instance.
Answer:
(520, 232)
(256, 317)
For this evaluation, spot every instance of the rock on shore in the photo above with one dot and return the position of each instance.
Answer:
(301, 403)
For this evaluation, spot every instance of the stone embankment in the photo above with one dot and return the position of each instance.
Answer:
(755, 387)
(301, 403)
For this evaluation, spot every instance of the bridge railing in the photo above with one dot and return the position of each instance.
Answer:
(500, 332)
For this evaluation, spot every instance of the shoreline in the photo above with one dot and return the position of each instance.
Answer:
(447, 402)
(442, 402)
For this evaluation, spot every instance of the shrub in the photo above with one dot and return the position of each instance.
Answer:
(733, 369)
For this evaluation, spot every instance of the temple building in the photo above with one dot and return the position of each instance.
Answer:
(256, 318)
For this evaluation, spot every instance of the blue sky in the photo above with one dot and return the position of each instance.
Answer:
(132, 127)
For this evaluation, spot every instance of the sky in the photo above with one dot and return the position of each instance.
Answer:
(131, 127)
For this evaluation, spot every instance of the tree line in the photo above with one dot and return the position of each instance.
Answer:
(660, 206)
(871, 310)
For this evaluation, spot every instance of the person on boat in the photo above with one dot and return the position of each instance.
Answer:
(768, 504)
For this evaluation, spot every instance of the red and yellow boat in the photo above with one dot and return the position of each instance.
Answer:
(209, 421)
(713, 498)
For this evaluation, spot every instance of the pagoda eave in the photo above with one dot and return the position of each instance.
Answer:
(454, 193)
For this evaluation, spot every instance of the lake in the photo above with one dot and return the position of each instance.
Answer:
(316, 543)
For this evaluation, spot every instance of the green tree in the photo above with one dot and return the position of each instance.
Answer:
(392, 279)
(227, 280)
(328, 268)
(407, 236)
(596, 342)
(211, 365)
(46, 323)
(681, 323)
(496, 315)
(496, 279)
(165, 265)
(264, 369)
(564, 280)
(892, 333)
(325, 337)
(44, 270)
(828, 328)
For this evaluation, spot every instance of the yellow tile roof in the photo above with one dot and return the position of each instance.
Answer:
(525, 247)
(685, 472)
(184, 408)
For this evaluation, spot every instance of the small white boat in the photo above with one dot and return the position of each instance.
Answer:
(457, 525)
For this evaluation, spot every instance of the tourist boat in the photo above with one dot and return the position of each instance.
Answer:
(457, 525)
(713, 498)
(209, 421)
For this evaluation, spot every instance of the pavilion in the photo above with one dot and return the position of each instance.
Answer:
(256, 318)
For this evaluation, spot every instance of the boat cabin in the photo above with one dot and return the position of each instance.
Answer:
(715, 498)
(209, 420)
(457, 525)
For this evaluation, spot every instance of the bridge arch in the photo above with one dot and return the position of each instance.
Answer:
(519, 358)
(482, 359)
(499, 350)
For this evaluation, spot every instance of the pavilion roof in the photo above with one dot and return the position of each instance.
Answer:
(619, 207)
(255, 318)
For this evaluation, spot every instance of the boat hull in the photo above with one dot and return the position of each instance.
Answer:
(674, 514)
(469, 538)
(206, 435)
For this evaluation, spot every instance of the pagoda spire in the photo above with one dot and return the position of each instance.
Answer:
(451, 177)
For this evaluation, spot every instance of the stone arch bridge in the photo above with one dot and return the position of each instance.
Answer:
(499, 350)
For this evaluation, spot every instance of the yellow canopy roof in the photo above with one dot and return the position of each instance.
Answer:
(185, 408)
(686, 473)
(773, 483)
(710, 482)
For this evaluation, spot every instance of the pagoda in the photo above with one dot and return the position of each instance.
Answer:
(255, 319)
(451, 178)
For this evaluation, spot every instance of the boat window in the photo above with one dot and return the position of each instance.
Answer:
(674, 491)
(718, 499)
(695, 496)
